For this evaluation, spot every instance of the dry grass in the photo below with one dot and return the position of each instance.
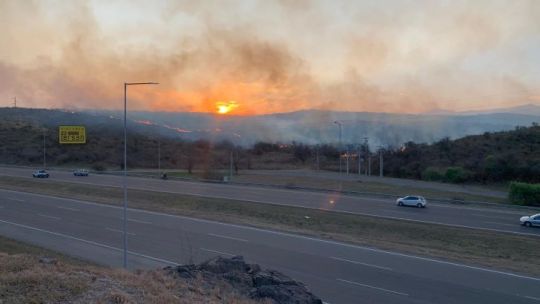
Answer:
(367, 187)
(491, 249)
(24, 279)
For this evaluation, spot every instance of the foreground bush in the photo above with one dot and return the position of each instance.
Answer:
(524, 194)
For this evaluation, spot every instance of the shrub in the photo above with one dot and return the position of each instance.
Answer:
(432, 174)
(456, 175)
(524, 194)
(98, 167)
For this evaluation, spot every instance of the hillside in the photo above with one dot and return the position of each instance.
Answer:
(489, 157)
(499, 156)
(310, 127)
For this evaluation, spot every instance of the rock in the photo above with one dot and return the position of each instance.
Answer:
(46, 260)
(285, 294)
(272, 277)
(223, 265)
(248, 279)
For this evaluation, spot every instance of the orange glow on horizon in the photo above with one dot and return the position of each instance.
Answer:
(225, 107)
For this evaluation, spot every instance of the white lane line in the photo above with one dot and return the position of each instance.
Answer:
(335, 243)
(15, 199)
(227, 237)
(218, 252)
(374, 287)
(90, 242)
(512, 225)
(67, 208)
(532, 298)
(119, 231)
(363, 264)
(485, 216)
(48, 216)
(139, 221)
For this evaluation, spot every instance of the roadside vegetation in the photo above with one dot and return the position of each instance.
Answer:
(490, 158)
(525, 194)
(478, 247)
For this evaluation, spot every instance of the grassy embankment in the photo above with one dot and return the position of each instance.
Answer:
(26, 277)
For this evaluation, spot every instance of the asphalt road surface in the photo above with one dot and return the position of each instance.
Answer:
(494, 219)
(337, 272)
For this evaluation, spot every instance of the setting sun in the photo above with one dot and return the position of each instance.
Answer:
(226, 107)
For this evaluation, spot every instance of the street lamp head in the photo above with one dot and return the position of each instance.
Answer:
(139, 83)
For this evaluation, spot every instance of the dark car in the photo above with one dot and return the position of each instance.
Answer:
(40, 174)
(80, 172)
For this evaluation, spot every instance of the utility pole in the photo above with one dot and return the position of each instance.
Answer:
(368, 167)
(340, 145)
(231, 166)
(159, 156)
(381, 165)
(44, 151)
(359, 159)
(369, 164)
(348, 159)
(15, 102)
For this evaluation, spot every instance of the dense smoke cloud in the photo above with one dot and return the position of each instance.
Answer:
(267, 56)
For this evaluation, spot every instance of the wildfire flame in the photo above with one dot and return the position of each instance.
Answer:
(225, 107)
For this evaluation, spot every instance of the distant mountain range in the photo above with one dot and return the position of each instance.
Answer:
(311, 126)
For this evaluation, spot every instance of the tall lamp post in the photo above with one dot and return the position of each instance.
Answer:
(340, 125)
(124, 180)
(44, 150)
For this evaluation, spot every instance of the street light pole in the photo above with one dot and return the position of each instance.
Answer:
(44, 151)
(340, 145)
(368, 154)
(381, 164)
(359, 159)
(124, 179)
(347, 160)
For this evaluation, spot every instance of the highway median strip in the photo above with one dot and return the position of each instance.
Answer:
(470, 246)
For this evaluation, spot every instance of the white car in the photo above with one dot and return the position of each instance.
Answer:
(417, 201)
(528, 221)
(80, 172)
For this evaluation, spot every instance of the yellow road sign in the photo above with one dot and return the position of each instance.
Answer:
(72, 134)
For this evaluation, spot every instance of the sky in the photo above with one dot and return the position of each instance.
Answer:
(258, 57)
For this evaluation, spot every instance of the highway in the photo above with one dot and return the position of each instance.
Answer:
(337, 272)
(494, 219)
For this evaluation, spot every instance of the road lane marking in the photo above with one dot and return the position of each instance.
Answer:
(218, 252)
(48, 216)
(67, 208)
(227, 237)
(360, 263)
(90, 242)
(330, 242)
(488, 216)
(119, 231)
(15, 199)
(139, 221)
(374, 287)
(512, 225)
